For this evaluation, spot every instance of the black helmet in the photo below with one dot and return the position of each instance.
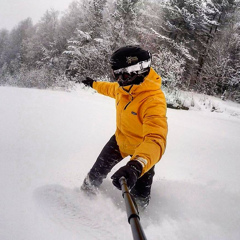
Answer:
(130, 64)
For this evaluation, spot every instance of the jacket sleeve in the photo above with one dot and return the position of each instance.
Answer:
(155, 129)
(106, 88)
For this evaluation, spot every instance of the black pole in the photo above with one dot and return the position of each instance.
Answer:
(132, 213)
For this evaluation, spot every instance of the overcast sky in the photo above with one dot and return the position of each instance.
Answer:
(14, 11)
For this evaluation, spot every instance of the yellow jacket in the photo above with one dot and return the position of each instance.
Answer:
(141, 118)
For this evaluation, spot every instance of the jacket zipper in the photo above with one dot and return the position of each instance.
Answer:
(130, 95)
(128, 102)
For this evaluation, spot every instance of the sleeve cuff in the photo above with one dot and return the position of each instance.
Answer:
(142, 161)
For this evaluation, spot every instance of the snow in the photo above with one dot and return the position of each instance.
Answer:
(50, 139)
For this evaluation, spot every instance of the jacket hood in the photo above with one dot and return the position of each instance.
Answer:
(151, 82)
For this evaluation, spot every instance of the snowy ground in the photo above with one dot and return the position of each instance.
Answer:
(49, 140)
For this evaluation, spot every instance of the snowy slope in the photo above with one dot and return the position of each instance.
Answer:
(49, 140)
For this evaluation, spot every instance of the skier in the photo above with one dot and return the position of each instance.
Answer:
(141, 124)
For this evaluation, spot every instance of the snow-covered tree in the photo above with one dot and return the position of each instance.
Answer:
(11, 50)
(88, 56)
(170, 66)
(4, 37)
(194, 24)
(221, 71)
(124, 21)
(42, 46)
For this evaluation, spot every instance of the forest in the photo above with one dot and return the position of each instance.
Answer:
(195, 44)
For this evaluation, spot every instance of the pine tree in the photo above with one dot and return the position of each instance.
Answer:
(4, 38)
(194, 24)
(221, 71)
(123, 22)
(87, 50)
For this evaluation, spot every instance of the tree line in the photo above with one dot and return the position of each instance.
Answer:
(195, 43)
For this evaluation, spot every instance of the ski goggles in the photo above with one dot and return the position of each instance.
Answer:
(123, 76)
(138, 68)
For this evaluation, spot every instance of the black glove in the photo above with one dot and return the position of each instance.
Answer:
(132, 171)
(88, 82)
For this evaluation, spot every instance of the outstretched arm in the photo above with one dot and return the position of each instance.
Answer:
(105, 88)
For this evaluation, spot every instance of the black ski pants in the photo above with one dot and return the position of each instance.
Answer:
(107, 159)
